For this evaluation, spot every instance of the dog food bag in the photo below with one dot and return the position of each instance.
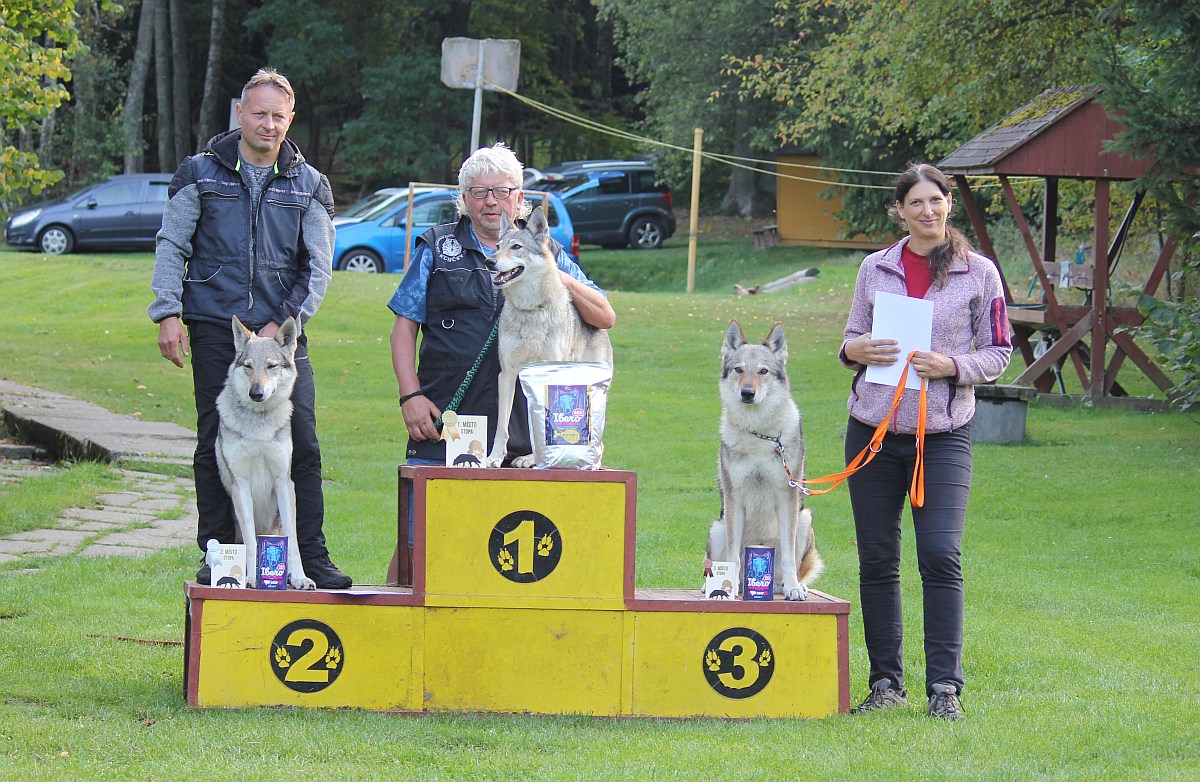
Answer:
(566, 412)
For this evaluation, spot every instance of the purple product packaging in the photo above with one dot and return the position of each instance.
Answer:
(758, 575)
(272, 562)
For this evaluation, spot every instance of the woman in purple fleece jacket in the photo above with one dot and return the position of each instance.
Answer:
(971, 344)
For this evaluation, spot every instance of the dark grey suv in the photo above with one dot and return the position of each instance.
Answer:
(124, 211)
(615, 203)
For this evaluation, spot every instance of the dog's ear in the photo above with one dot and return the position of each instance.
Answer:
(537, 224)
(777, 342)
(241, 335)
(286, 336)
(505, 223)
(734, 338)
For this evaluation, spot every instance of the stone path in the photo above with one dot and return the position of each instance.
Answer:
(150, 512)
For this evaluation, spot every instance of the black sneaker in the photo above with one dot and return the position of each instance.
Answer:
(325, 573)
(883, 696)
(204, 575)
(944, 703)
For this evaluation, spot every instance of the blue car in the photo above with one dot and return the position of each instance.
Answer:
(377, 243)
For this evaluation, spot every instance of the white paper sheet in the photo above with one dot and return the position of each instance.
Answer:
(907, 320)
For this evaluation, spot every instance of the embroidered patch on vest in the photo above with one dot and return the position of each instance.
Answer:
(449, 248)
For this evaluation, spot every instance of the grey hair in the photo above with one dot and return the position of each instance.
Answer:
(496, 159)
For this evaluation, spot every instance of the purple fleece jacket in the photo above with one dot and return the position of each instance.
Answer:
(970, 325)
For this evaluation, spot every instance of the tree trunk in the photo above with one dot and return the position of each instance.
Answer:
(739, 198)
(179, 56)
(45, 150)
(135, 96)
(212, 71)
(162, 90)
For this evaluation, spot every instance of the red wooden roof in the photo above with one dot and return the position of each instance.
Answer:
(1060, 133)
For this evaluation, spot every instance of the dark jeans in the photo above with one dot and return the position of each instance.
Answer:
(877, 495)
(212, 353)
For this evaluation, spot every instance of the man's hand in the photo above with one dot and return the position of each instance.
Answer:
(419, 416)
(173, 340)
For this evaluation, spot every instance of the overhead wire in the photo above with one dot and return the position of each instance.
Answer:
(729, 160)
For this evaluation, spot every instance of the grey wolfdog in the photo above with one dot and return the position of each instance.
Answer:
(538, 322)
(254, 443)
(761, 435)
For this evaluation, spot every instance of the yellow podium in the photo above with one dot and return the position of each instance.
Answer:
(517, 596)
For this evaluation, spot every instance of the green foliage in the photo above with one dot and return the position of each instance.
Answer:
(875, 86)
(677, 51)
(402, 134)
(1150, 74)
(37, 40)
(1173, 327)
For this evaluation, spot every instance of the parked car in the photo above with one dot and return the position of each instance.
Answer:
(377, 244)
(375, 204)
(122, 212)
(615, 203)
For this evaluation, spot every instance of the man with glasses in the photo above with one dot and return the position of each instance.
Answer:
(447, 296)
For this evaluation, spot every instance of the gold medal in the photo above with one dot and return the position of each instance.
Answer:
(449, 425)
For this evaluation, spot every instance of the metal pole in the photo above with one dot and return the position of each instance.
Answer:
(478, 112)
(693, 229)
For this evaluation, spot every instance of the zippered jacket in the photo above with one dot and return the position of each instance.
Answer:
(970, 326)
(219, 255)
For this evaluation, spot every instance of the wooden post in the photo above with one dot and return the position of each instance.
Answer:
(1099, 291)
(693, 228)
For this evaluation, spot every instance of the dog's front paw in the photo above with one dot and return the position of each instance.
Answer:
(494, 462)
(301, 581)
(798, 592)
(524, 462)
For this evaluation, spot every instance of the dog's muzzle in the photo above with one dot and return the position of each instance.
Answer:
(504, 278)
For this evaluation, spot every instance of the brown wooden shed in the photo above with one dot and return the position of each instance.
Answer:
(1061, 135)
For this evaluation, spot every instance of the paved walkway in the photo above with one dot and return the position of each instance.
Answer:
(150, 512)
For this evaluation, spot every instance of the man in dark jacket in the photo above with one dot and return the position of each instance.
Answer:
(248, 231)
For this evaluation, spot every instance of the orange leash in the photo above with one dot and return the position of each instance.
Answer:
(916, 491)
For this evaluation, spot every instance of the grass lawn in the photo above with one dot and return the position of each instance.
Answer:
(1082, 559)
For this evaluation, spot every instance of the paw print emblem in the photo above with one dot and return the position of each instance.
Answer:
(713, 660)
(505, 560)
(545, 546)
(334, 658)
(764, 659)
(282, 658)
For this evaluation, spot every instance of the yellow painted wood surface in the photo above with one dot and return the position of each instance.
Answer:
(588, 543)
(734, 665)
(523, 660)
(376, 665)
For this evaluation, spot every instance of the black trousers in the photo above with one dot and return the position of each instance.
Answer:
(212, 353)
(877, 495)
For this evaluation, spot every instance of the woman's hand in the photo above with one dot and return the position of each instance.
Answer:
(933, 365)
(872, 352)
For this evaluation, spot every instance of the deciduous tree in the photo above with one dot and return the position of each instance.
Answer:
(37, 41)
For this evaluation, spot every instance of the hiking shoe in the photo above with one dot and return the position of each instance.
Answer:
(944, 704)
(325, 574)
(883, 696)
(204, 575)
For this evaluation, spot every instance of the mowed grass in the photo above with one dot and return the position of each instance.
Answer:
(1082, 560)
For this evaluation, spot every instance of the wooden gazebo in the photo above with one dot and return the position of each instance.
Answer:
(1061, 135)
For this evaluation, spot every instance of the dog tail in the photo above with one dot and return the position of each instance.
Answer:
(811, 565)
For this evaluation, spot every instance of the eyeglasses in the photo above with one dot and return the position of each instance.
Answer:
(501, 193)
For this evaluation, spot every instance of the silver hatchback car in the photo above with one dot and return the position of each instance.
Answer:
(122, 212)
